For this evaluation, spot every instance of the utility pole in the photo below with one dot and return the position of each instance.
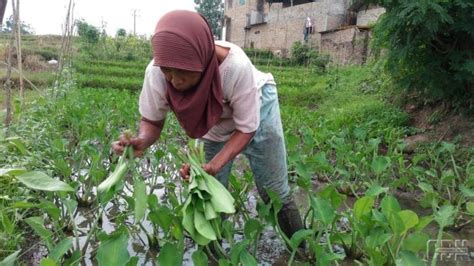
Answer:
(135, 15)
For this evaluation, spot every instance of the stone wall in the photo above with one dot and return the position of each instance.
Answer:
(369, 17)
(283, 26)
(344, 47)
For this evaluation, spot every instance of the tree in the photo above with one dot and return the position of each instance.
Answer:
(10, 24)
(428, 46)
(213, 11)
(88, 32)
(121, 33)
(3, 5)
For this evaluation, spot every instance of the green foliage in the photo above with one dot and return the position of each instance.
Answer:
(213, 11)
(303, 54)
(10, 23)
(428, 46)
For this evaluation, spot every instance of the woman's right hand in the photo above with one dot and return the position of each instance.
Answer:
(124, 141)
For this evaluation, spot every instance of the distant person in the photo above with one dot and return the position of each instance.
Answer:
(308, 29)
(219, 97)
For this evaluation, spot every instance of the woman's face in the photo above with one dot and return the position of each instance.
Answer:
(181, 79)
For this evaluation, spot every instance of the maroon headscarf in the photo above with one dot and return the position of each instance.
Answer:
(183, 39)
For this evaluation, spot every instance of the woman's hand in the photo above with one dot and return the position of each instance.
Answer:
(149, 132)
(124, 141)
(209, 167)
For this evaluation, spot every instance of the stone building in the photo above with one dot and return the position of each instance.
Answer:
(338, 27)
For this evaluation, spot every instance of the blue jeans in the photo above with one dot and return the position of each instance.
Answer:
(266, 151)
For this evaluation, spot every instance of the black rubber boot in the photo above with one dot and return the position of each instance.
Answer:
(289, 219)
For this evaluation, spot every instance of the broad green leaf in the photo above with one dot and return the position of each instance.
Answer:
(221, 199)
(40, 181)
(17, 142)
(425, 187)
(396, 223)
(322, 210)
(448, 147)
(169, 255)
(409, 218)
(236, 250)
(415, 242)
(247, 259)
(252, 228)
(11, 171)
(188, 216)
(139, 193)
(470, 208)
(467, 192)
(115, 177)
(11, 259)
(380, 164)
(113, 251)
(23, 205)
(445, 215)
(363, 206)
(70, 205)
(203, 226)
(325, 258)
(209, 211)
(275, 200)
(162, 217)
(377, 238)
(133, 261)
(37, 223)
(229, 230)
(199, 258)
(376, 190)
(389, 204)
(75, 259)
(299, 237)
(48, 262)
(224, 262)
(200, 239)
(60, 249)
(408, 258)
(424, 221)
(330, 193)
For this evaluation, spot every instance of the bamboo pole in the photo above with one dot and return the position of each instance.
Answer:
(16, 12)
(65, 52)
(8, 91)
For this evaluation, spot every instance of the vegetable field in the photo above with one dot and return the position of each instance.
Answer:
(364, 199)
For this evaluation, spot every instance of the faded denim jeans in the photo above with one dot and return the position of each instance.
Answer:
(266, 151)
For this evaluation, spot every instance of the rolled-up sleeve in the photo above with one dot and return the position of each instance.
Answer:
(152, 102)
(245, 99)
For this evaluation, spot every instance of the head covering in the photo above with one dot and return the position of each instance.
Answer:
(184, 40)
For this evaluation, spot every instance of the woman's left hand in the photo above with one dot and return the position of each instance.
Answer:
(211, 168)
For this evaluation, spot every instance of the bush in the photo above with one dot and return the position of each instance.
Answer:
(428, 46)
(303, 54)
(259, 53)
